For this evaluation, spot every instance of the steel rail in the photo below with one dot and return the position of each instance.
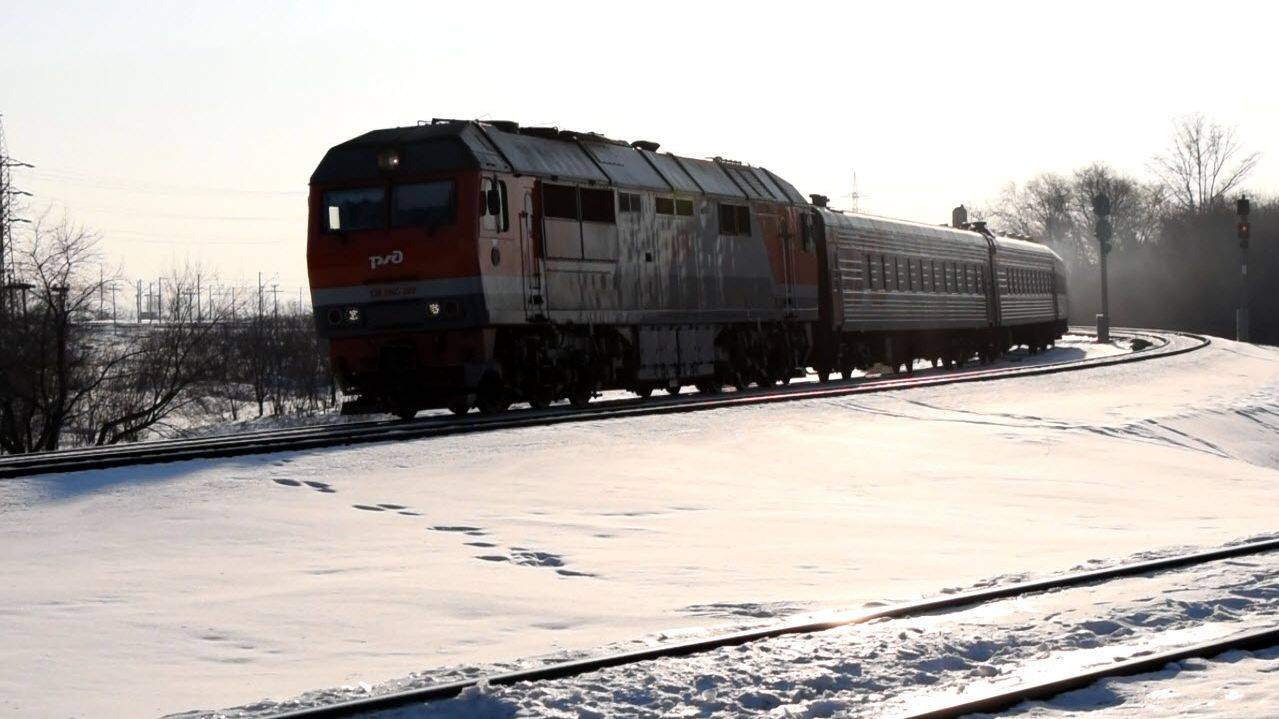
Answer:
(895, 611)
(380, 431)
(1006, 699)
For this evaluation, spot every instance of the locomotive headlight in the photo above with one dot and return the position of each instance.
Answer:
(353, 315)
(388, 160)
(433, 309)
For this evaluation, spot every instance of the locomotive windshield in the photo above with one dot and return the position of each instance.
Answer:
(423, 203)
(420, 204)
(359, 209)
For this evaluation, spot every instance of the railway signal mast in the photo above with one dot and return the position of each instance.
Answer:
(1244, 230)
(1101, 208)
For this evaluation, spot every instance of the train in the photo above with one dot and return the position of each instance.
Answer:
(476, 264)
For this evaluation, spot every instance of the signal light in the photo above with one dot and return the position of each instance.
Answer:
(1245, 230)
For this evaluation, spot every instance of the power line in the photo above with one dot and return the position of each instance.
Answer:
(125, 184)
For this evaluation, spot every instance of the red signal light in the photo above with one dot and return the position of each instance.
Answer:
(1245, 230)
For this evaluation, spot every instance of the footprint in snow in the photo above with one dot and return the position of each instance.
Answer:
(454, 528)
(368, 507)
(288, 482)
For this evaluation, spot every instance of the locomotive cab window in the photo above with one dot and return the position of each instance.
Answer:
(665, 206)
(359, 209)
(422, 204)
(493, 213)
(684, 208)
(628, 202)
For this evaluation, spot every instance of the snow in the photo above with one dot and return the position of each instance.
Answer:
(220, 583)
(1235, 685)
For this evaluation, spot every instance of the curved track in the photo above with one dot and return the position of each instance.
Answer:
(1162, 344)
(896, 611)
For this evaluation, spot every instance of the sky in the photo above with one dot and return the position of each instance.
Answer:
(187, 132)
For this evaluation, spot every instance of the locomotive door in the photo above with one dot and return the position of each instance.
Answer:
(531, 261)
(788, 257)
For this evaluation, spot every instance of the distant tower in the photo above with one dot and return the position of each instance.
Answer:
(857, 195)
(959, 217)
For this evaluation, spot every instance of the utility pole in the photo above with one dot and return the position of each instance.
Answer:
(1101, 208)
(275, 294)
(139, 300)
(1244, 230)
(259, 295)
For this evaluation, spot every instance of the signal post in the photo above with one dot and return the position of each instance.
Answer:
(1244, 231)
(1101, 208)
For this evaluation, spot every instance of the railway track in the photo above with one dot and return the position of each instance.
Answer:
(1161, 344)
(994, 701)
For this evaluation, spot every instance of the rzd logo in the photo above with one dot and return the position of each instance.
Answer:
(376, 261)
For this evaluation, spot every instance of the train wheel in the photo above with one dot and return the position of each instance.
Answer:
(579, 398)
(491, 396)
(405, 411)
(707, 386)
(823, 375)
(644, 391)
(673, 389)
(846, 373)
(460, 405)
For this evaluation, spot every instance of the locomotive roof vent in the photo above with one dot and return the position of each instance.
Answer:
(552, 133)
(725, 160)
(820, 200)
(645, 145)
(505, 125)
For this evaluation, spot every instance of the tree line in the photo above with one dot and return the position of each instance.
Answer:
(67, 380)
(1175, 260)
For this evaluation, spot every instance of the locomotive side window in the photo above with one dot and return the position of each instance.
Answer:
(360, 209)
(498, 221)
(870, 272)
(734, 220)
(597, 206)
(559, 201)
(684, 208)
(627, 202)
(883, 268)
(665, 206)
(422, 204)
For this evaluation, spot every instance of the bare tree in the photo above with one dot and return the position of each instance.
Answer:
(168, 368)
(51, 364)
(1204, 163)
(1057, 209)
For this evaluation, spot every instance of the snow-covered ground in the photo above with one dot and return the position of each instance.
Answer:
(142, 591)
(1235, 685)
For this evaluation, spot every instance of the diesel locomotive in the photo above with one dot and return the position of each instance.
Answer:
(467, 264)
